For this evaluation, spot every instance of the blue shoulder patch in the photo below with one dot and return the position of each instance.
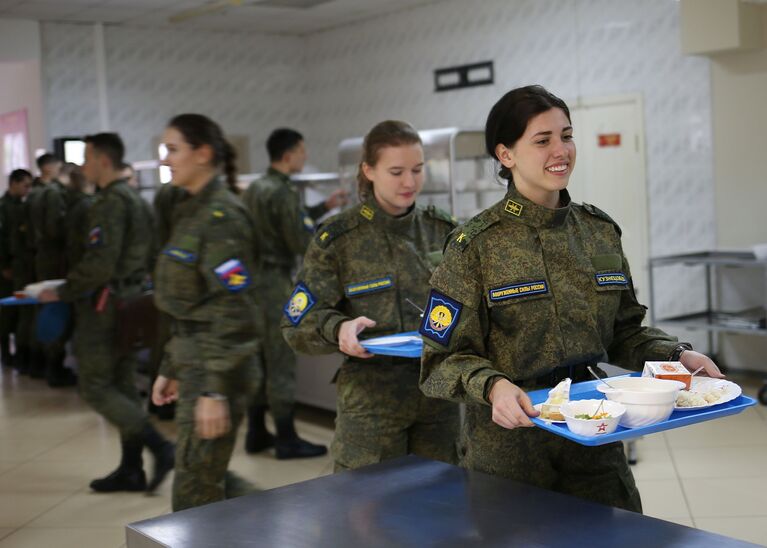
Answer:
(308, 223)
(300, 302)
(440, 318)
(96, 237)
(233, 275)
(181, 255)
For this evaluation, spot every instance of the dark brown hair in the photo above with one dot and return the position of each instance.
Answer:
(391, 133)
(199, 130)
(509, 117)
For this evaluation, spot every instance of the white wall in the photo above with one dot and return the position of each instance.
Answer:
(739, 88)
(247, 83)
(21, 81)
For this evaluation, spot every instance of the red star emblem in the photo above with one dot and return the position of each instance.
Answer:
(601, 428)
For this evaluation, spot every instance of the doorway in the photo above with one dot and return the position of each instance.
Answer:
(610, 172)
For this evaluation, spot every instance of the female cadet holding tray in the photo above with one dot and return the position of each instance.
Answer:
(203, 280)
(358, 274)
(531, 291)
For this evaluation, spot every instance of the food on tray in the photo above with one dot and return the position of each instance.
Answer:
(699, 398)
(597, 417)
(558, 395)
(673, 371)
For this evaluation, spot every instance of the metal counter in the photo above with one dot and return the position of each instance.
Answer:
(412, 502)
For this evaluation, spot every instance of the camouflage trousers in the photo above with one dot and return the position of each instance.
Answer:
(383, 415)
(201, 465)
(536, 457)
(279, 361)
(106, 377)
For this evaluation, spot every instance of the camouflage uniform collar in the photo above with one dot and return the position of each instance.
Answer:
(114, 184)
(277, 174)
(516, 207)
(370, 211)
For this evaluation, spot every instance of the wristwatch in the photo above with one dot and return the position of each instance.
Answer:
(214, 396)
(677, 352)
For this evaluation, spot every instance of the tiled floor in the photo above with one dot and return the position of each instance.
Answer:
(711, 476)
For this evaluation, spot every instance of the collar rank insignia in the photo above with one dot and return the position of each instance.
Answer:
(233, 275)
(307, 222)
(611, 278)
(515, 208)
(440, 318)
(96, 237)
(300, 302)
(367, 212)
(181, 255)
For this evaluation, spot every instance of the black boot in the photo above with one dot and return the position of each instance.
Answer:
(36, 364)
(21, 360)
(56, 374)
(289, 446)
(258, 437)
(129, 476)
(164, 455)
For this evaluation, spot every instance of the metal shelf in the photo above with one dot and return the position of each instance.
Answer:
(711, 321)
(719, 258)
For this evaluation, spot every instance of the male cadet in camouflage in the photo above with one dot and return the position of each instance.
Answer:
(364, 270)
(47, 209)
(204, 281)
(527, 295)
(113, 268)
(29, 358)
(284, 228)
(11, 212)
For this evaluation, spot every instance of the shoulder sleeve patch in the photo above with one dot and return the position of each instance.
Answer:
(300, 302)
(441, 215)
(596, 212)
(96, 237)
(233, 275)
(441, 317)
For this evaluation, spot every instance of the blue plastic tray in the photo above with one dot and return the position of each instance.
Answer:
(404, 350)
(587, 391)
(13, 301)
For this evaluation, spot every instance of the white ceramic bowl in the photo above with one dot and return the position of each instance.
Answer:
(587, 427)
(647, 400)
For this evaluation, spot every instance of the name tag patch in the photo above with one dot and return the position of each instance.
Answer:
(300, 302)
(440, 318)
(233, 275)
(181, 255)
(514, 291)
(370, 286)
(95, 237)
(611, 278)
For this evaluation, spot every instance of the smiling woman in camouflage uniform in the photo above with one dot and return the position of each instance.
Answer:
(203, 280)
(531, 291)
(359, 272)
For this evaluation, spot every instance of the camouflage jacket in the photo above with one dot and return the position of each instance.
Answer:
(116, 247)
(165, 202)
(284, 227)
(364, 262)
(523, 289)
(11, 211)
(204, 281)
(47, 209)
(76, 221)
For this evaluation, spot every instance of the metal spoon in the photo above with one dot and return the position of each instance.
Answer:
(597, 377)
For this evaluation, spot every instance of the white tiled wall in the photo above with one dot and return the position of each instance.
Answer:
(247, 83)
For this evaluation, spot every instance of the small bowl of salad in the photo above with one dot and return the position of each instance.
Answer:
(592, 418)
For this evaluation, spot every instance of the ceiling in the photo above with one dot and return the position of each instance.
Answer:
(264, 16)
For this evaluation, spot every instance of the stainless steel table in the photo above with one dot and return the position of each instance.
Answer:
(412, 502)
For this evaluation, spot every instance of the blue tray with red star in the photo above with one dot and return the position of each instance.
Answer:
(588, 391)
(403, 345)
